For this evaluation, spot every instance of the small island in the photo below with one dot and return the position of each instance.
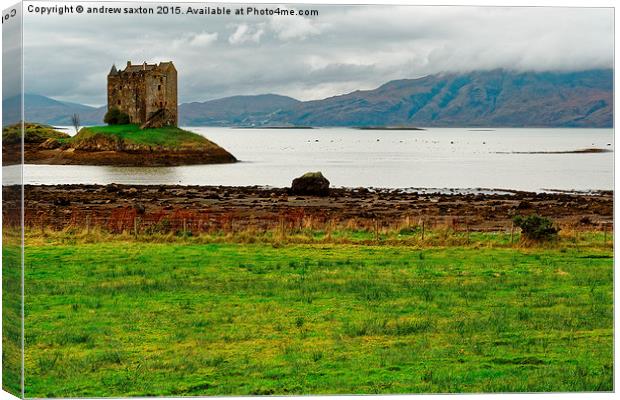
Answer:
(116, 145)
(142, 129)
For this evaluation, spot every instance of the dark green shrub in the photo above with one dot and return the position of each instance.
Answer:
(114, 116)
(123, 119)
(535, 227)
(111, 117)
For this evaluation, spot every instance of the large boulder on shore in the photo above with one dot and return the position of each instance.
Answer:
(310, 184)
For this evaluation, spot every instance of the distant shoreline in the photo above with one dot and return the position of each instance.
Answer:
(388, 128)
(262, 127)
(369, 128)
(578, 151)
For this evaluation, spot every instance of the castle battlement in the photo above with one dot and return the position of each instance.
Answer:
(145, 92)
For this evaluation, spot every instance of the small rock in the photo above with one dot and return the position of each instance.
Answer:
(62, 202)
(524, 205)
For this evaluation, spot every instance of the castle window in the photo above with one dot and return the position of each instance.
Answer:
(118, 102)
(161, 104)
(159, 87)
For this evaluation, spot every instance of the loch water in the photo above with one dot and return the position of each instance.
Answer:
(433, 158)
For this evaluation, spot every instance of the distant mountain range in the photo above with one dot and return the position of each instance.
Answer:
(49, 111)
(478, 99)
(235, 111)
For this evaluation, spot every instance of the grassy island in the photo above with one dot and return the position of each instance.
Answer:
(169, 137)
(120, 145)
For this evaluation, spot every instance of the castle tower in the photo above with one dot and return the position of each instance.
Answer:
(145, 92)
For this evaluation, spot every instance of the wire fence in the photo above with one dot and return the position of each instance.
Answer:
(137, 221)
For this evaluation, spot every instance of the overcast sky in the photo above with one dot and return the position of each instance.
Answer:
(343, 49)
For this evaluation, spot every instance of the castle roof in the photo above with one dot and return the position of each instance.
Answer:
(166, 64)
(146, 67)
(139, 67)
(131, 68)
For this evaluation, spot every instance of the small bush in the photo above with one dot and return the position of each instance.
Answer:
(123, 119)
(114, 116)
(535, 227)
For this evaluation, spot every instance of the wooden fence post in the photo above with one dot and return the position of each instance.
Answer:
(467, 227)
(88, 224)
(423, 223)
(281, 226)
(512, 232)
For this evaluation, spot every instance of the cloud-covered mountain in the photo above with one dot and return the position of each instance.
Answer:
(477, 99)
(343, 49)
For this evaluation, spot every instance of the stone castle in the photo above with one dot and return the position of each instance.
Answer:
(145, 92)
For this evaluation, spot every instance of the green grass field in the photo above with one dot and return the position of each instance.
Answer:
(125, 317)
(11, 314)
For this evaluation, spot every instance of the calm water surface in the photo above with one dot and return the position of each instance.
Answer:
(434, 158)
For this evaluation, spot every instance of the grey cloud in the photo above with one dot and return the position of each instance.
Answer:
(343, 49)
(246, 33)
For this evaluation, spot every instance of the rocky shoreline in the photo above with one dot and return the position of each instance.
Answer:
(126, 158)
(58, 205)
